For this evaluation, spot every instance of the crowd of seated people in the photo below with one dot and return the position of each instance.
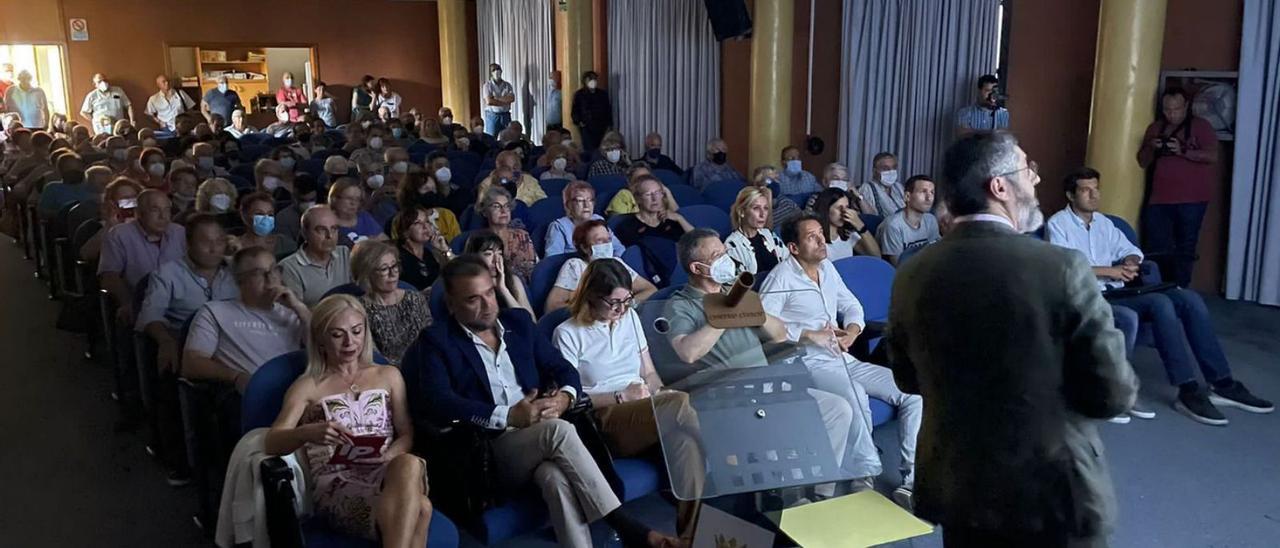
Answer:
(228, 246)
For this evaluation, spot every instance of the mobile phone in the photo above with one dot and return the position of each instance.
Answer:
(127, 203)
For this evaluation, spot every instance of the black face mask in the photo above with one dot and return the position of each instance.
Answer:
(304, 137)
(719, 157)
(509, 184)
(430, 200)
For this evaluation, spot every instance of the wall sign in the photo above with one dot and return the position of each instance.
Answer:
(79, 30)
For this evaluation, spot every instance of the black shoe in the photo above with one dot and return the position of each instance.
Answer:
(1238, 396)
(178, 478)
(1196, 405)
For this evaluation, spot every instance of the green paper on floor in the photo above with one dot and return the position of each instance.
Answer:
(860, 519)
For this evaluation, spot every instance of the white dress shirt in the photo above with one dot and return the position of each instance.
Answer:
(503, 384)
(168, 107)
(791, 296)
(608, 357)
(1101, 242)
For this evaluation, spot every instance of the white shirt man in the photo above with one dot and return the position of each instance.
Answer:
(165, 106)
(806, 293)
(105, 104)
(913, 226)
(28, 101)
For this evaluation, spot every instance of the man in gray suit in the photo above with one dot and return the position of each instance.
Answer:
(1011, 344)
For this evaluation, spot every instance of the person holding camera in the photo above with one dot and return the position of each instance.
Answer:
(988, 113)
(1178, 151)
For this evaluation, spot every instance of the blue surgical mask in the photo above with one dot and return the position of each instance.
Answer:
(263, 224)
(601, 251)
(398, 132)
(793, 167)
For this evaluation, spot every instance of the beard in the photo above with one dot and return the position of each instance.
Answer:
(1030, 218)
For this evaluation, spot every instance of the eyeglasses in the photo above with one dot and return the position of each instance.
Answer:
(616, 304)
(654, 194)
(1031, 165)
(387, 270)
(267, 274)
(499, 206)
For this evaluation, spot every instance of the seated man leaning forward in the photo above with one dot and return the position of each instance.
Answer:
(489, 368)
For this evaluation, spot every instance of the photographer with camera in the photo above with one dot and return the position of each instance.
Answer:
(1178, 151)
(988, 113)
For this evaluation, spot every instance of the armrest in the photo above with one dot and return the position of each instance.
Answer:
(283, 527)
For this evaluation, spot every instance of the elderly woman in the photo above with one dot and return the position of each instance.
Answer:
(560, 161)
(183, 184)
(421, 188)
(151, 168)
(423, 250)
(843, 228)
(495, 206)
(593, 243)
(396, 316)
(751, 245)
(239, 128)
(342, 399)
(270, 177)
(613, 158)
(579, 207)
(217, 196)
(604, 341)
(257, 212)
(784, 208)
(624, 202)
(510, 288)
(346, 197)
(654, 216)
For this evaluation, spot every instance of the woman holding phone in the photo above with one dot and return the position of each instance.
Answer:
(343, 406)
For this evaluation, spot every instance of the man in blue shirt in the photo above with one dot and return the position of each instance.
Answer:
(1178, 316)
(220, 100)
(985, 115)
(715, 168)
(793, 179)
(555, 102)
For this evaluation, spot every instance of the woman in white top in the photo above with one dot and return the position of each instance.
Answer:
(752, 245)
(604, 340)
(387, 98)
(593, 243)
(846, 233)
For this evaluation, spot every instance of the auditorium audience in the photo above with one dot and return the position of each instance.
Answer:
(784, 207)
(807, 294)
(884, 194)
(119, 205)
(604, 341)
(239, 127)
(912, 227)
(387, 98)
(164, 107)
(216, 196)
(133, 250)
(104, 105)
(579, 207)
(751, 245)
(844, 229)
(624, 201)
(229, 340)
(592, 242)
(653, 217)
(380, 497)
(346, 199)
(1178, 316)
(654, 157)
(362, 97)
(560, 162)
(496, 207)
(321, 264)
(395, 316)
(422, 247)
(526, 189)
(490, 247)
(257, 212)
(496, 97)
(613, 159)
(715, 167)
(305, 194)
(323, 105)
(505, 401)
(423, 190)
(68, 188)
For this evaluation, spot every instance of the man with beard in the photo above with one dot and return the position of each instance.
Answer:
(1014, 348)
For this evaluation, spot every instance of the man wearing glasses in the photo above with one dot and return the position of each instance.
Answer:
(321, 264)
(229, 340)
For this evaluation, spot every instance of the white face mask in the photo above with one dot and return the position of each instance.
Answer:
(559, 164)
(591, 84)
(601, 251)
(288, 162)
(205, 162)
(271, 183)
(220, 202)
(613, 155)
(723, 271)
(889, 177)
(288, 82)
(375, 182)
(464, 144)
(444, 175)
(400, 167)
(447, 121)
(119, 153)
(156, 169)
(842, 185)
(222, 88)
(103, 86)
(375, 142)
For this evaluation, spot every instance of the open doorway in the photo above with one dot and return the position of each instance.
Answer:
(47, 68)
(254, 72)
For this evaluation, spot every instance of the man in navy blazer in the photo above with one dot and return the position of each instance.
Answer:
(487, 367)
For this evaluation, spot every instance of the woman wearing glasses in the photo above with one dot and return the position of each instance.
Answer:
(495, 206)
(396, 316)
(604, 340)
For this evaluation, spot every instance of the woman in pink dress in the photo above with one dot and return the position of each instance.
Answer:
(351, 420)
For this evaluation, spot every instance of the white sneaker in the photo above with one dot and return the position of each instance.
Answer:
(904, 497)
(858, 485)
(1139, 411)
(1119, 419)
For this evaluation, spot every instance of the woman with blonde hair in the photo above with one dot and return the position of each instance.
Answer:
(751, 245)
(344, 400)
(395, 315)
(217, 196)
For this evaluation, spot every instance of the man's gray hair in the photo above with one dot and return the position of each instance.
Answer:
(970, 163)
(689, 245)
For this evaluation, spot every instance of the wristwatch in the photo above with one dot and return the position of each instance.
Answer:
(863, 230)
